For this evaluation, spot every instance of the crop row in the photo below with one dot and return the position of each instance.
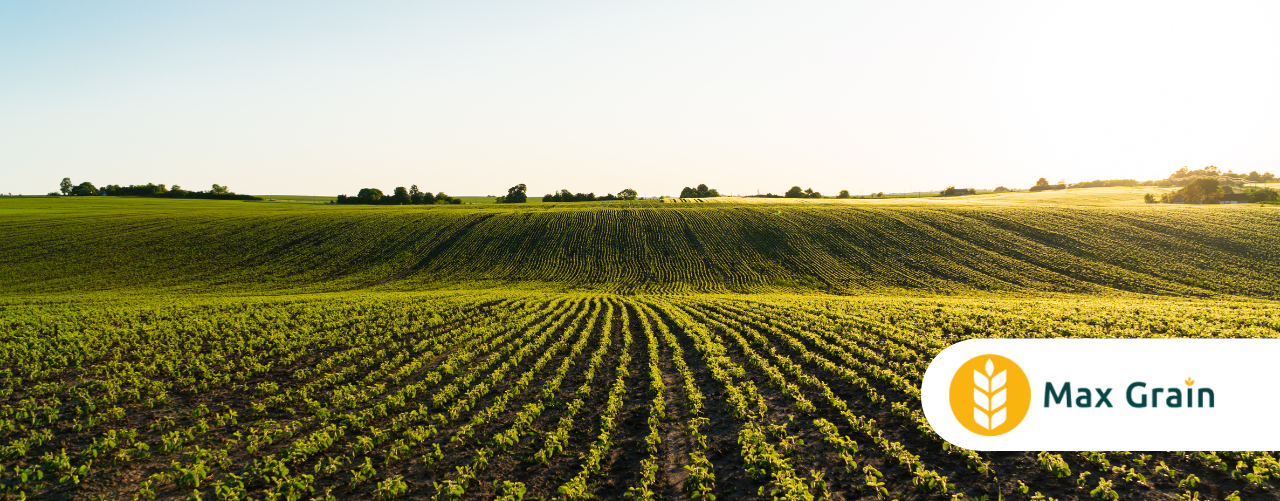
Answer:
(566, 396)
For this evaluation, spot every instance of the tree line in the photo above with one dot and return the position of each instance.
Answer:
(87, 189)
(1043, 184)
(1207, 190)
(1213, 171)
(517, 194)
(700, 191)
(567, 196)
(1180, 177)
(399, 196)
(796, 192)
(952, 191)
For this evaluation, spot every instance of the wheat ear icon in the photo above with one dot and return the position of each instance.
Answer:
(989, 397)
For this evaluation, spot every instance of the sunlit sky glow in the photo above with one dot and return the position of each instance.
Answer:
(472, 97)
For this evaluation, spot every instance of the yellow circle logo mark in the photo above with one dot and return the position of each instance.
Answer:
(990, 395)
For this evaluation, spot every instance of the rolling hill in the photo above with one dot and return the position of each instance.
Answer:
(969, 245)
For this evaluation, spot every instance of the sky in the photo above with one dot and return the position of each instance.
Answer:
(471, 98)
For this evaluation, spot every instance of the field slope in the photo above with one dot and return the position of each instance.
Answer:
(70, 245)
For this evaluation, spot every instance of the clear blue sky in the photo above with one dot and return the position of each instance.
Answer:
(473, 97)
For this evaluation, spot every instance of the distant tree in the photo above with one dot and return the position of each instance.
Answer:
(65, 186)
(809, 193)
(1043, 184)
(415, 195)
(1199, 191)
(568, 196)
(428, 198)
(515, 195)
(701, 191)
(84, 189)
(1203, 190)
(369, 196)
(219, 190)
(401, 196)
(1149, 198)
(794, 192)
(1000, 189)
(1253, 176)
(1263, 195)
(627, 194)
(843, 194)
(1210, 171)
(1268, 177)
(1106, 183)
(442, 198)
(952, 191)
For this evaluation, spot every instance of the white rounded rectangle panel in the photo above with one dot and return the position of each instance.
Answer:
(1106, 394)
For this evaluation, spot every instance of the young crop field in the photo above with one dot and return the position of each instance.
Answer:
(567, 396)
(189, 246)
(176, 349)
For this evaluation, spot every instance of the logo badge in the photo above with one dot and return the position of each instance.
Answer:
(990, 395)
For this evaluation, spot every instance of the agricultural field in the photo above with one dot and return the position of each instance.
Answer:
(449, 395)
(76, 245)
(175, 349)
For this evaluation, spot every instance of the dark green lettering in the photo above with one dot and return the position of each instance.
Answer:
(1102, 397)
(1155, 397)
(1174, 399)
(1128, 395)
(1201, 394)
(1057, 397)
(1085, 400)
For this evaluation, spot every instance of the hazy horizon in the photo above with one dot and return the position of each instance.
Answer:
(470, 99)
